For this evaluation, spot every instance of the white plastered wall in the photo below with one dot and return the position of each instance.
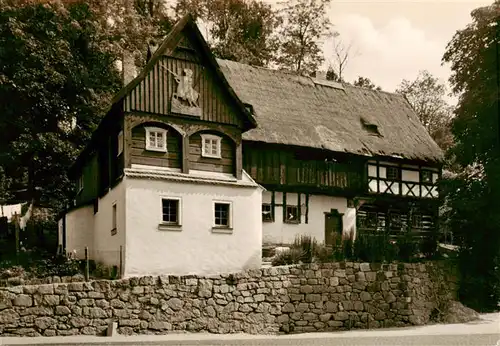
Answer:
(79, 230)
(195, 248)
(106, 246)
(279, 232)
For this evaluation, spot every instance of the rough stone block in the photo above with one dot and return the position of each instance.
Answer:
(23, 300)
(365, 296)
(371, 276)
(364, 267)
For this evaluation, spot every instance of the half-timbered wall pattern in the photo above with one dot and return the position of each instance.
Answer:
(139, 155)
(404, 180)
(154, 93)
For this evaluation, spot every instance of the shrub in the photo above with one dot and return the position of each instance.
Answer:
(347, 246)
(408, 248)
(306, 244)
(428, 246)
(361, 248)
(323, 254)
(287, 257)
(56, 266)
(375, 248)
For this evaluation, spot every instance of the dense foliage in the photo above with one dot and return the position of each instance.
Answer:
(426, 94)
(53, 69)
(305, 26)
(473, 194)
(366, 248)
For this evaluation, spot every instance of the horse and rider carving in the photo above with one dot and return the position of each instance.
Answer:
(185, 89)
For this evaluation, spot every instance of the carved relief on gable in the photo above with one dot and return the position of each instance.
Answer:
(185, 99)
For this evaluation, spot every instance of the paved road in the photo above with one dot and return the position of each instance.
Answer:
(485, 332)
(420, 340)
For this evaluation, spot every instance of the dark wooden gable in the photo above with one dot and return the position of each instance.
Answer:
(158, 91)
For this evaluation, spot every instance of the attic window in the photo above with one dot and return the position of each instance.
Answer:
(156, 139)
(370, 128)
(211, 146)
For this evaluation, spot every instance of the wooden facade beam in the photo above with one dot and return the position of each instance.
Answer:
(185, 154)
(239, 160)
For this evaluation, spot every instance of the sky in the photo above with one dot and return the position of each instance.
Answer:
(393, 40)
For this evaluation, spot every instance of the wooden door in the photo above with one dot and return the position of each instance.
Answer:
(333, 228)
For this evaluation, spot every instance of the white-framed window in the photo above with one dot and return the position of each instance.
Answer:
(171, 211)
(120, 143)
(156, 139)
(267, 212)
(222, 214)
(292, 214)
(211, 146)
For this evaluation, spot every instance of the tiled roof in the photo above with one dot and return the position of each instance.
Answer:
(297, 110)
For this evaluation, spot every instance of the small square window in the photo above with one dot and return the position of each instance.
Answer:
(292, 214)
(170, 211)
(267, 213)
(156, 139)
(210, 146)
(426, 176)
(222, 215)
(393, 173)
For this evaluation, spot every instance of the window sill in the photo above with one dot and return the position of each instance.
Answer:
(222, 230)
(216, 157)
(170, 227)
(157, 150)
(268, 221)
(292, 222)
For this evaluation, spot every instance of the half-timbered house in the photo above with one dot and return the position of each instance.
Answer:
(200, 161)
(335, 158)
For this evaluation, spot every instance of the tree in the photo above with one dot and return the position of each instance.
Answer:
(365, 83)
(54, 66)
(340, 57)
(129, 27)
(305, 24)
(473, 54)
(241, 30)
(426, 94)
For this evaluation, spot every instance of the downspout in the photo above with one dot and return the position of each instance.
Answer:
(64, 233)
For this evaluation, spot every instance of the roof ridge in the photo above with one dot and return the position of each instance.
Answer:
(285, 72)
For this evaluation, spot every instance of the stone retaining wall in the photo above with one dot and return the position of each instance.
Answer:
(325, 297)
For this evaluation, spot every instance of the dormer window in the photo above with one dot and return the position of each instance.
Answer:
(210, 146)
(371, 128)
(156, 139)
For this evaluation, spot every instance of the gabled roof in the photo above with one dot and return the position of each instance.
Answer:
(168, 45)
(301, 111)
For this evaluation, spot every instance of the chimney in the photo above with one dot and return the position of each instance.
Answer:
(321, 75)
(129, 71)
